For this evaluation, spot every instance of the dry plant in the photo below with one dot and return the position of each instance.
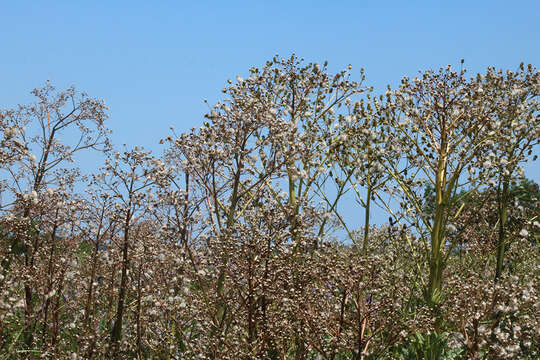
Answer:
(233, 243)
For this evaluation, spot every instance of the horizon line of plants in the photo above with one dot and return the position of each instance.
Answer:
(233, 243)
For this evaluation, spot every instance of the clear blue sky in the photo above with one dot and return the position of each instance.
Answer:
(154, 62)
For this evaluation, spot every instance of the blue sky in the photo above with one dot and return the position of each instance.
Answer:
(154, 62)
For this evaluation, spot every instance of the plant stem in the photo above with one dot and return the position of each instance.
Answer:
(366, 222)
(503, 200)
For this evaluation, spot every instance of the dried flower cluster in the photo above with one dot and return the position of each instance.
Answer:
(233, 244)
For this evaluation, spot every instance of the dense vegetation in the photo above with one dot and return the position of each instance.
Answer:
(232, 244)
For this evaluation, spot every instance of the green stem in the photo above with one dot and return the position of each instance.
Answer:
(437, 234)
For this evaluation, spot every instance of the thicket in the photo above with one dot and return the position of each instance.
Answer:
(233, 244)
